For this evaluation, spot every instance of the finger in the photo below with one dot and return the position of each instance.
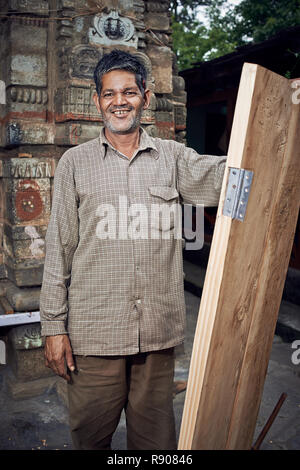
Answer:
(62, 370)
(70, 360)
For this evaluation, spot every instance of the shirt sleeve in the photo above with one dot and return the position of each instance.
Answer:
(61, 241)
(200, 177)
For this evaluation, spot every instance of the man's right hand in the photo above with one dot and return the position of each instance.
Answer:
(58, 355)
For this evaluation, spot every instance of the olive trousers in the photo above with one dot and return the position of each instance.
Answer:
(141, 384)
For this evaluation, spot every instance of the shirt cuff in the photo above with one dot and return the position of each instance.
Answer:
(52, 328)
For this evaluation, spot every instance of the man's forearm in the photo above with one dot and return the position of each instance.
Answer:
(61, 242)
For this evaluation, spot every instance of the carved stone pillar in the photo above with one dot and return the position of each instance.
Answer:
(49, 49)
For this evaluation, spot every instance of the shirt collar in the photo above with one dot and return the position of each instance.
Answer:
(146, 142)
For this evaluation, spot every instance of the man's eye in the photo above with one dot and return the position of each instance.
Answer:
(107, 95)
(130, 93)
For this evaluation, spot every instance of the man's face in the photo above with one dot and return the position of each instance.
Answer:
(121, 102)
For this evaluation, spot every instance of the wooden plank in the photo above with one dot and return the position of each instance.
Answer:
(246, 270)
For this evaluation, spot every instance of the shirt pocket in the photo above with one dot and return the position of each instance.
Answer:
(165, 209)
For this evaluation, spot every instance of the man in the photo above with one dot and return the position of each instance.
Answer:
(112, 300)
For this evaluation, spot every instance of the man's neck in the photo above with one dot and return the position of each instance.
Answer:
(124, 143)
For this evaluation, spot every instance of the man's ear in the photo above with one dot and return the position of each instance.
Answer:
(96, 101)
(147, 96)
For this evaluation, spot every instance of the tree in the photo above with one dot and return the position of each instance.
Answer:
(228, 26)
(185, 11)
(259, 20)
(192, 40)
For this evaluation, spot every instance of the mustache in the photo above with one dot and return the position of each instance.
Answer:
(120, 108)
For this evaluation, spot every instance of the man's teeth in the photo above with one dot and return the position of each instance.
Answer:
(120, 112)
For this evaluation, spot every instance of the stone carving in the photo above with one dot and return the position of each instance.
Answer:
(163, 104)
(83, 61)
(20, 168)
(180, 117)
(26, 336)
(28, 95)
(112, 29)
(75, 100)
(29, 204)
(14, 134)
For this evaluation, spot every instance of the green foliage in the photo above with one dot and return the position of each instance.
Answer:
(262, 19)
(228, 26)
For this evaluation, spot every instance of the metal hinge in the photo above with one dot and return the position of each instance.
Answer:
(237, 193)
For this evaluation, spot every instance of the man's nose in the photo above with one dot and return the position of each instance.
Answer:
(119, 99)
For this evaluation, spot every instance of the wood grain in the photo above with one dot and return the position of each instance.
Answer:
(246, 270)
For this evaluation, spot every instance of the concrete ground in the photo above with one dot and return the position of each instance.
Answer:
(41, 422)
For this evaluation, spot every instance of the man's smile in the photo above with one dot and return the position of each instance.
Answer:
(120, 112)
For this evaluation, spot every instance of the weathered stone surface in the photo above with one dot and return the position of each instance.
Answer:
(29, 59)
(23, 6)
(75, 100)
(31, 205)
(158, 21)
(20, 390)
(27, 273)
(161, 59)
(180, 117)
(26, 336)
(24, 299)
(26, 353)
(76, 133)
(28, 364)
(27, 168)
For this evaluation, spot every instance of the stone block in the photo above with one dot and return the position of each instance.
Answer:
(76, 133)
(20, 390)
(28, 63)
(24, 242)
(28, 101)
(23, 6)
(178, 84)
(157, 21)
(32, 130)
(28, 168)
(28, 70)
(165, 129)
(23, 299)
(27, 273)
(29, 203)
(180, 117)
(26, 353)
(161, 60)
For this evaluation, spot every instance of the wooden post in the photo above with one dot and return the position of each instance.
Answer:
(246, 269)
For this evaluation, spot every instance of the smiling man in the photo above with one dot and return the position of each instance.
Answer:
(112, 308)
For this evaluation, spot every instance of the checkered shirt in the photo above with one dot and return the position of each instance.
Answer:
(112, 289)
